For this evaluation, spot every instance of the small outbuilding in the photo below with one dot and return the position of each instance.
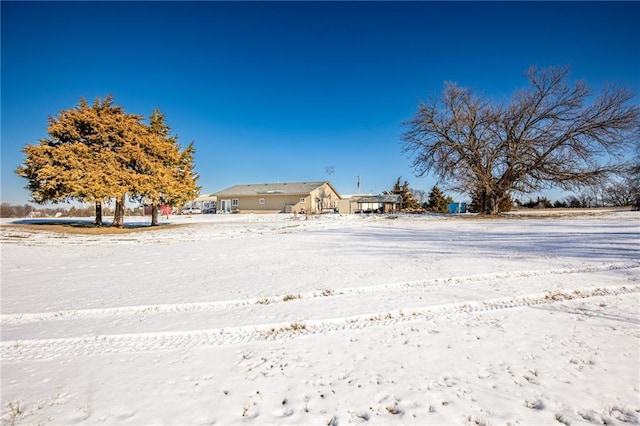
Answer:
(385, 203)
(455, 208)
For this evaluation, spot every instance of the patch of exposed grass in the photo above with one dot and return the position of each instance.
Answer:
(294, 327)
(84, 228)
(394, 409)
(290, 297)
(552, 213)
(15, 411)
(297, 326)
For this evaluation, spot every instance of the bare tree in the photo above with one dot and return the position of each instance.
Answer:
(419, 195)
(619, 193)
(552, 133)
(634, 179)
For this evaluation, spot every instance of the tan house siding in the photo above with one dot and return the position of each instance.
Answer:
(308, 197)
(270, 204)
(323, 199)
(347, 206)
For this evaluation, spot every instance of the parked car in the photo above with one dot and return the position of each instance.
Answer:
(191, 210)
(210, 210)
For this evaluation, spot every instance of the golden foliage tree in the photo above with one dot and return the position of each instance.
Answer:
(80, 159)
(97, 153)
(166, 172)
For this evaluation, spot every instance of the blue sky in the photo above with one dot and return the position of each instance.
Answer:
(278, 91)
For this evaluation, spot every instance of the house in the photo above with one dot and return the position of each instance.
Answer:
(286, 197)
(386, 203)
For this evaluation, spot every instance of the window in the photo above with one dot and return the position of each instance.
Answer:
(261, 200)
(303, 200)
(235, 202)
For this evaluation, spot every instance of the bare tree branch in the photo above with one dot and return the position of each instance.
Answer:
(551, 133)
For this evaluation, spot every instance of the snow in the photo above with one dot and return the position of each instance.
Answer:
(339, 319)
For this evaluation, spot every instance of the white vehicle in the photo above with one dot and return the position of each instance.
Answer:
(191, 210)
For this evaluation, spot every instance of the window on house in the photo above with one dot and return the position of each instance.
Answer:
(261, 200)
(235, 202)
(303, 200)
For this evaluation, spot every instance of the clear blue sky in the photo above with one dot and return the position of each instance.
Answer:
(277, 91)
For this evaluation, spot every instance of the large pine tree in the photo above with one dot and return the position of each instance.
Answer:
(98, 153)
(166, 175)
(82, 158)
(438, 202)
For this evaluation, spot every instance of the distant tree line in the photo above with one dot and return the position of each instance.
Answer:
(617, 193)
(8, 210)
(99, 153)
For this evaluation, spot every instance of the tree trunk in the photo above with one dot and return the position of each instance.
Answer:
(496, 201)
(485, 203)
(118, 215)
(489, 202)
(154, 215)
(494, 206)
(98, 220)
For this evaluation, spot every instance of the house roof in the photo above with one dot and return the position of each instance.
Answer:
(387, 198)
(282, 188)
(206, 198)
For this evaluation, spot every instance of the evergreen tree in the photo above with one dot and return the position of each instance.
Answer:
(166, 176)
(438, 203)
(402, 189)
(98, 153)
(82, 158)
(107, 138)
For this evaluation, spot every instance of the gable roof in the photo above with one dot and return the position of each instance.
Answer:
(282, 188)
(385, 198)
(210, 197)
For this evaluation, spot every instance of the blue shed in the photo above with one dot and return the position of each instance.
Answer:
(457, 208)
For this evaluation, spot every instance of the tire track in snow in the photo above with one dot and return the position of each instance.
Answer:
(21, 350)
(24, 318)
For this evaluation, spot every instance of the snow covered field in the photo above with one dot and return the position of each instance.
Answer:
(332, 320)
